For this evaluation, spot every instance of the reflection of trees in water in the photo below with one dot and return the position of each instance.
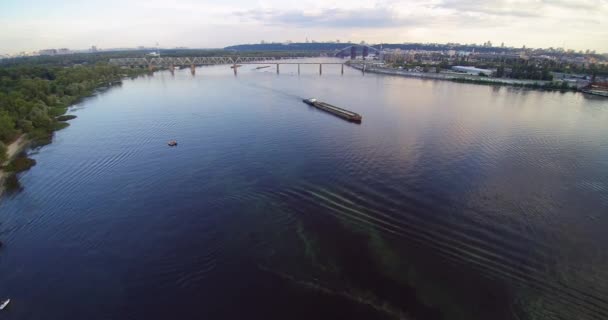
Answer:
(12, 185)
(19, 164)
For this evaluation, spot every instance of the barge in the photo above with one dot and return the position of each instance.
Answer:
(596, 88)
(342, 113)
(603, 93)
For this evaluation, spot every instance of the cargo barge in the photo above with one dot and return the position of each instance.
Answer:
(597, 88)
(342, 113)
(603, 93)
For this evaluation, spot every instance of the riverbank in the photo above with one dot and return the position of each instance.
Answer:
(465, 78)
(12, 150)
(40, 96)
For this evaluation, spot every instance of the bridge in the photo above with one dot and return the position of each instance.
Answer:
(189, 61)
(235, 62)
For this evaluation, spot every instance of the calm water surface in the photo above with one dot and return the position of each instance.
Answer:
(449, 201)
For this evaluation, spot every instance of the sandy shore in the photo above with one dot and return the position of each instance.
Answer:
(12, 150)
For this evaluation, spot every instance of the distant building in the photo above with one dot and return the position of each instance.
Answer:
(501, 56)
(472, 70)
(93, 48)
(48, 52)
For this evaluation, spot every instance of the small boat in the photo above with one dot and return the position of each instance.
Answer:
(172, 143)
(4, 304)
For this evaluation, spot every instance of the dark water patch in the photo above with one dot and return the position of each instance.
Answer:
(362, 260)
(495, 261)
(12, 185)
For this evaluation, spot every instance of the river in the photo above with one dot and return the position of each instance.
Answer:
(448, 201)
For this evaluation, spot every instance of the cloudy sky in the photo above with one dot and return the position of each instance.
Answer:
(27, 25)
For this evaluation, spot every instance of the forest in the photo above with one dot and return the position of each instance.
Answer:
(35, 95)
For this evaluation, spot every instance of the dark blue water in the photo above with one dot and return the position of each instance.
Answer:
(449, 201)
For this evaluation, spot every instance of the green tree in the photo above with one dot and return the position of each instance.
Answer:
(3, 155)
(500, 71)
(7, 126)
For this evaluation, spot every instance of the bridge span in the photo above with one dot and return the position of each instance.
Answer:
(188, 61)
(235, 62)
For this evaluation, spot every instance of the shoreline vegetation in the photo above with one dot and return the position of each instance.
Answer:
(33, 101)
(12, 150)
(465, 78)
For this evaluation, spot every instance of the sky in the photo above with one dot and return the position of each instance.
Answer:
(28, 25)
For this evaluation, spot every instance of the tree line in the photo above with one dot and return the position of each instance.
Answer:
(33, 95)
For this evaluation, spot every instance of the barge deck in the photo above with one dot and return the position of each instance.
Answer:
(342, 113)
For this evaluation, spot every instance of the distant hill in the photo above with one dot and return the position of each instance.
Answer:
(289, 47)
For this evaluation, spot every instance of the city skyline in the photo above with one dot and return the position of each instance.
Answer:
(41, 24)
(158, 47)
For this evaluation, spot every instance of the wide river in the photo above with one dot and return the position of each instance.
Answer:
(449, 201)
